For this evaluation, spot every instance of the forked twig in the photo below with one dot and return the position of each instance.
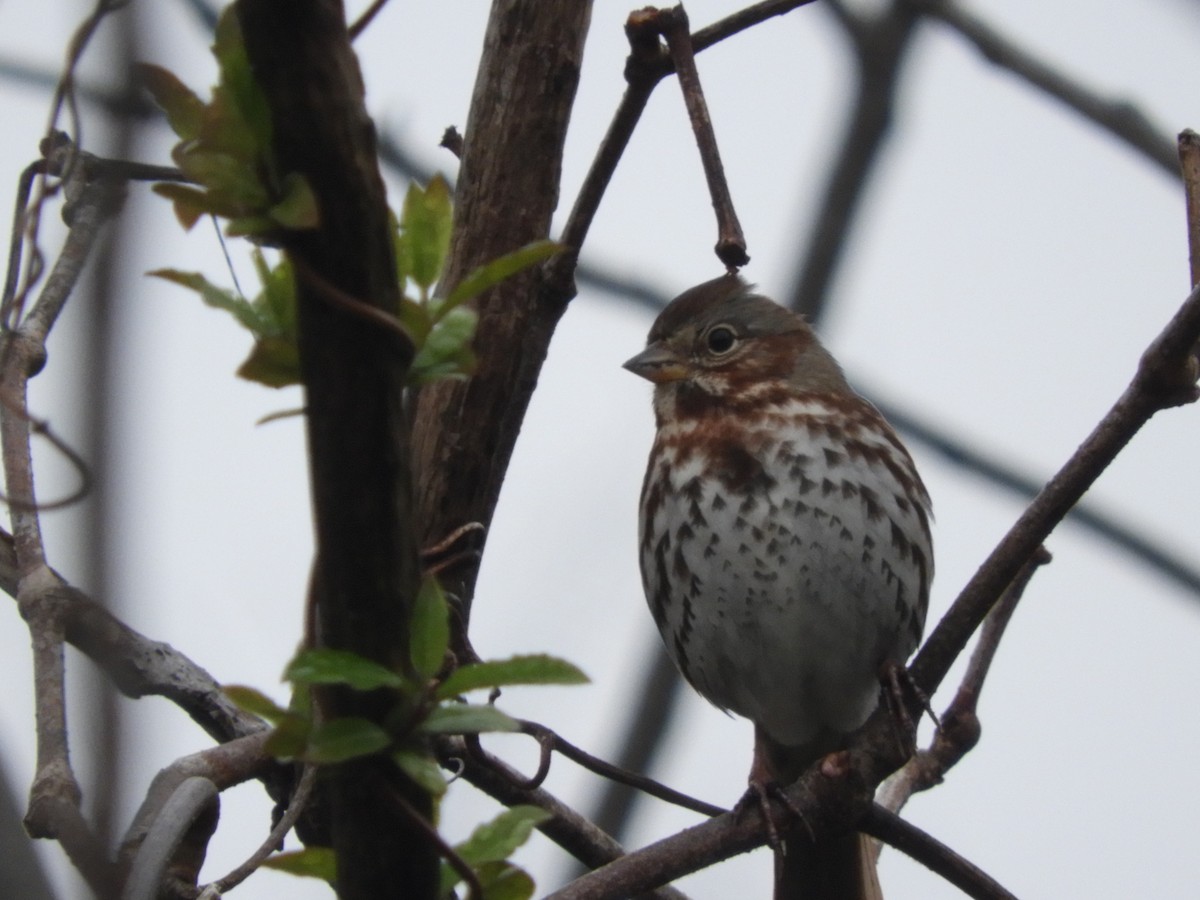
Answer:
(550, 741)
(959, 729)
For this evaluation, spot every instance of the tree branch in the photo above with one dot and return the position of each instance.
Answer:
(366, 572)
(1165, 377)
(1119, 118)
(958, 731)
(465, 431)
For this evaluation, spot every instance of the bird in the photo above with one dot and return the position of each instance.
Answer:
(784, 544)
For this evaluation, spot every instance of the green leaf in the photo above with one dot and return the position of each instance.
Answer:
(533, 669)
(216, 297)
(274, 362)
(430, 629)
(190, 204)
(496, 840)
(492, 273)
(423, 769)
(185, 110)
(326, 666)
(340, 739)
(255, 702)
(247, 100)
(426, 222)
(414, 316)
(447, 349)
(311, 862)
(277, 301)
(290, 737)
(233, 185)
(502, 880)
(298, 208)
(466, 718)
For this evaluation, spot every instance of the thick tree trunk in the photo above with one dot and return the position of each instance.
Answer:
(507, 191)
(366, 574)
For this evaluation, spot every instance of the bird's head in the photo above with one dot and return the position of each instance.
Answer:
(720, 344)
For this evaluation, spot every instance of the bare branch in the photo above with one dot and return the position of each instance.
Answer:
(285, 824)
(932, 853)
(1164, 378)
(673, 25)
(1119, 118)
(958, 731)
(181, 829)
(1189, 166)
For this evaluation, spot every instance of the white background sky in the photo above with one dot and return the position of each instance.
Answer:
(1011, 265)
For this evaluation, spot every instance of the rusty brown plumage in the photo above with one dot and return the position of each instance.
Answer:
(785, 544)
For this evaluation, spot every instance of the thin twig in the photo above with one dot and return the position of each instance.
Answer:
(615, 773)
(646, 66)
(287, 821)
(731, 243)
(1189, 167)
(566, 827)
(335, 296)
(959, 730)
(368, 16)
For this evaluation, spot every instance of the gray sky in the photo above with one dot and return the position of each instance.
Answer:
(1011, 265)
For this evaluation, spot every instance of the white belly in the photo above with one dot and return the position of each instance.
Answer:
(781, 593)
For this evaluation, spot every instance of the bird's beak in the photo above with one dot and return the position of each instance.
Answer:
(659, 364)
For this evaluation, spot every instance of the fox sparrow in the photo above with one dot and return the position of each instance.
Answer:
(785, 547)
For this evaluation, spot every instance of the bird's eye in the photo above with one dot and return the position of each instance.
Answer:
(721, 339)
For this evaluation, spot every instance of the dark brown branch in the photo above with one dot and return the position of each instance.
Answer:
(550, 741)
(932, 853)
(731, 243)
(507, 190)
(1189, 167)
(1119, 118)
(362, 22)
(366, 573)
(646, 66)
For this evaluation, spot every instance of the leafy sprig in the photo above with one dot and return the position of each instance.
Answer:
(424, 703)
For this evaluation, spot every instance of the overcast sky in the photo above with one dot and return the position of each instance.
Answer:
(1010, 267)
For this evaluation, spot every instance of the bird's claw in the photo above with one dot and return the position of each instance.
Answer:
(760, 794)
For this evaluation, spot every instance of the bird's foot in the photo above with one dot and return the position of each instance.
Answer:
(759, 795)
